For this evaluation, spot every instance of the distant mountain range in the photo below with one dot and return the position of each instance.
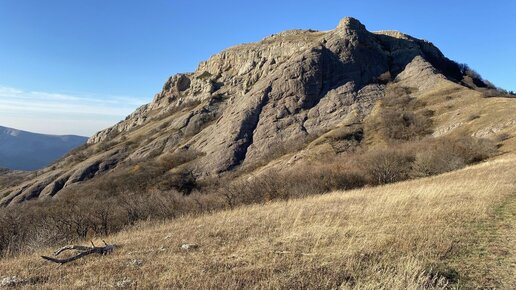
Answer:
(23, 150)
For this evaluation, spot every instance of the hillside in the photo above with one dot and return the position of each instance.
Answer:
(453, 230)
(10, 177)
(21, 150)
(290, 98)
(333, 159)
(341, 159)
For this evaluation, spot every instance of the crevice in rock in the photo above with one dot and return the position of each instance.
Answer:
(246, 132)
(303, 128)
(34, 192)
(332, 73)
(9, 198)
(58, 185)
(85, 173)
(187, 121)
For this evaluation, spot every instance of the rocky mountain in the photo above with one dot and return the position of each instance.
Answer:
(23, 150)
(271, 104)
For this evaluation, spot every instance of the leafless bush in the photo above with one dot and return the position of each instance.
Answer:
(175, 159)
(470, 148)
(183, 181)
(435, 161)
(387, 165)
(401, 117)
(302, 181)
(451, 153)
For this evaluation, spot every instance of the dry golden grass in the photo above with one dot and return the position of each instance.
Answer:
(455, 105)
(456, 230)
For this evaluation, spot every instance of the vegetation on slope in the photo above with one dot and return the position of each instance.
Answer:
(408, 235)
(396, 147)
(161, 191)
(356, 242)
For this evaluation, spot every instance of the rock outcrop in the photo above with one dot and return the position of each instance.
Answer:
(287, 86)
(244, 101)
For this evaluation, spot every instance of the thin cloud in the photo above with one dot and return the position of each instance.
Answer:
(64, 112)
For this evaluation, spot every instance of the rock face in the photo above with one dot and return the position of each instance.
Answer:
(286, 87)
(240, 104)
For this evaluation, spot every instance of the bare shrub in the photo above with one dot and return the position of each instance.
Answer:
(470, 148)
(401, 116)
(387, 165)
(175, 159)
(304, 180)
(451, 153)
(183, 181)
(435, 161)
(405, 125)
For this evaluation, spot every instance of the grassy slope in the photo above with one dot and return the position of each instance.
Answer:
(458, 226)
(393, 236)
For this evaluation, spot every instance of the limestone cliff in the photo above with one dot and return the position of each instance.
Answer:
(243, 102)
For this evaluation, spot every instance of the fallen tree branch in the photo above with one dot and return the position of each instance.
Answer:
(83, 251)
(71, 247)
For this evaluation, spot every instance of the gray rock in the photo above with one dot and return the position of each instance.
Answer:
(124, 283)
(12, 281)
(189, 247)
(136, 263)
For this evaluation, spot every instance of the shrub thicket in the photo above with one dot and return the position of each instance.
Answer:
(401, 116)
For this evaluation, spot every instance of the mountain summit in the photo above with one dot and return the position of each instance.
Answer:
(249, 98)
(250, 104)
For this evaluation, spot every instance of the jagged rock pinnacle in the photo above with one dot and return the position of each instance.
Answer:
(350, 23)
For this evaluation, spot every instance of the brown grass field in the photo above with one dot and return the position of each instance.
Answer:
(456, 230)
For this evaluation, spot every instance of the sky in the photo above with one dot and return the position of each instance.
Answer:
(76, 67)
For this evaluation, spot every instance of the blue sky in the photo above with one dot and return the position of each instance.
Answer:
(75, 67)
